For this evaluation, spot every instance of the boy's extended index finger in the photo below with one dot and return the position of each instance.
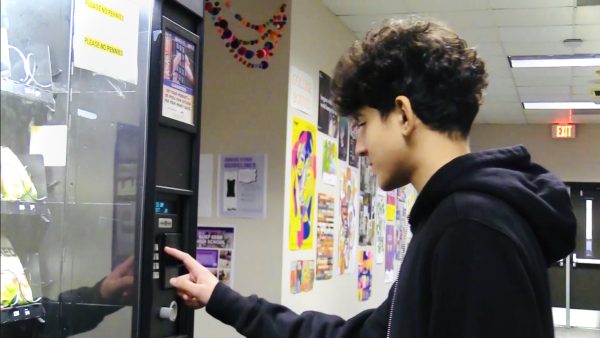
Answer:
(189, 262)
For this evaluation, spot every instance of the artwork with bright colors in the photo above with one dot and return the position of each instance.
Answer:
(302, 276)
(365, 277)
(347, 239)
(325, 219)
(389, 254)
(330, 159)
(302, 189)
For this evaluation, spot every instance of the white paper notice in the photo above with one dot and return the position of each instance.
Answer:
(205, 185)
(51, 143)
(301, 91)
(105, 38)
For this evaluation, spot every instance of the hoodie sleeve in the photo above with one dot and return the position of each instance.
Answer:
(483, 286)
(256, 317)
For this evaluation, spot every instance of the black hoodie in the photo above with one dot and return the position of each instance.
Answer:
(485, 228)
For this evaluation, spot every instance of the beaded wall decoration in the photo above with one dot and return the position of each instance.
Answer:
(254, 53)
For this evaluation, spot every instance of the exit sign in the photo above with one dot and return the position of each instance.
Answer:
(563, 131)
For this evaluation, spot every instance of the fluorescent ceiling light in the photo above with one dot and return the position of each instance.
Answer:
(581, 60)
(561, 105)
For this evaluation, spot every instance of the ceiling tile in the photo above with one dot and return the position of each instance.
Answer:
(475, 36)
(538, 33)
(547, 116)
(552, 93)
(588, 32)
(529, 3)
(352, 7)
(497, 65)
(489, 49)
(536, 48)
(363, 23)
(591, 118)
(542, 76)
(587, 15)
(446, 6)
(534, 17)
(465, 19)
(588, 47)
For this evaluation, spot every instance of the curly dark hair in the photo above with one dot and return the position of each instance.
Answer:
(422, 60)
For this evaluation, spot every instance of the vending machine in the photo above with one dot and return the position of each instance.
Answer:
(100, 130)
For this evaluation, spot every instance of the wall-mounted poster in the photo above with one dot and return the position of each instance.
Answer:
(325, 217)
(366, 223)
(215, 250)
(389, 254)
(179, 81)
(368, 181)
(301, 90)
(330, 157)
(365, 277)
(328, 118)
(302, 189)
(379, 206)
(347, 238)
(390, 208)
(302, 276)
(242, 186)
(343, 139)
(352, 156)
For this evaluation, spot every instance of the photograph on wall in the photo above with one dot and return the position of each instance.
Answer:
(302, 276)
(343, 139)
(328, 117)
(215, 250)
(302, 189)
(178, 78)
(242, 186)
(330, 159)
(368, 181)
(325, 219)
(389, 254)
(366, 223)
(379, 210)
(347, 238)
(352, 156)
(365, 277)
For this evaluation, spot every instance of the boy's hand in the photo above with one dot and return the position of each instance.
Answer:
(196, 287)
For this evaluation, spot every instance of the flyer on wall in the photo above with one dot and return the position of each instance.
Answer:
(242, 186)
(178, 78)
(215, 250)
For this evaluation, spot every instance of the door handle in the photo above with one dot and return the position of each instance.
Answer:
(588, 261)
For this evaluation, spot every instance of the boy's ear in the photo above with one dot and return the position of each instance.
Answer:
(406, 116)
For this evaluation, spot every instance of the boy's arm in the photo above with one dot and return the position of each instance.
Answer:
(256, 317)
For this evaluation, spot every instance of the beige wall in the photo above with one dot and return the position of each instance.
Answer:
(244, 112)
(318, 40)
(575, 160)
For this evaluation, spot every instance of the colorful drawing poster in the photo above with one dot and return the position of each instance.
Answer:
(325, 217)
(302, 276)
(215, 250)
(330, 157)
(348, 233)
(390, 208)
(243, 182)
(379, 208)
(365, 277)
(328, 117)
(302, 190)
(366, 224)
(352, 155)
(343, 139)
(389, 254)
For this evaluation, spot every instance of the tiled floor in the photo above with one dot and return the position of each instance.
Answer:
(562, 332)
